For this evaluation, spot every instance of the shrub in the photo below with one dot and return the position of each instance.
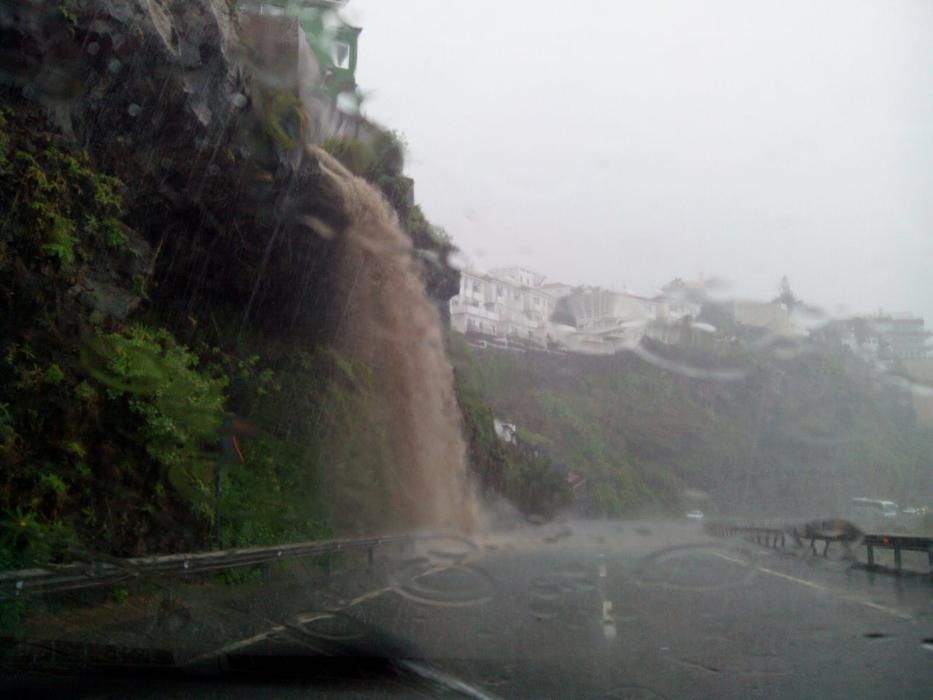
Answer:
(179, 405)
(63, 202)
(182, 406)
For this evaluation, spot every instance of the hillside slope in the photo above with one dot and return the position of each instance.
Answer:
(792, 436)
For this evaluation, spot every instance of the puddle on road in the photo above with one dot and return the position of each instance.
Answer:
(448, 547)
(545, 589)
(700, 567)
(336, 627)
(543, 610)
(456, 585)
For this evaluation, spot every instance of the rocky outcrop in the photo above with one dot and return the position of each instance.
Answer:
(163, 95)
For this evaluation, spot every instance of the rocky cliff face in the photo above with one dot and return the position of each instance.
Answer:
(171, 256)
(162, 95)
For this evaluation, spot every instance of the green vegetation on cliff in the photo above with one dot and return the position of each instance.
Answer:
(109, 431)
(519, 472)
(121, 360)
(796, 435)
(167, 309)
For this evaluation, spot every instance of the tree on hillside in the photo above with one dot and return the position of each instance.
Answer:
(786, 295)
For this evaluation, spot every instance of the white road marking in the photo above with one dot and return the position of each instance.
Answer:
(300, 619)
(882, 608)
(609, 625)
(728, 558)
(824, 589)
(237, 645)
(609, 631)
(801, 581)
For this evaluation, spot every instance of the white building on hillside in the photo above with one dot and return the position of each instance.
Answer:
(768, 316)
(884, 337)
(509, 305)
(515, 306)
(901, 336)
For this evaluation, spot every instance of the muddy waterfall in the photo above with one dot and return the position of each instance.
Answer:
(418, 477)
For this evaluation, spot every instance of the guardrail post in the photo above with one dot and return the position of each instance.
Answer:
(871, 554)
(369, 555)
(897, 556)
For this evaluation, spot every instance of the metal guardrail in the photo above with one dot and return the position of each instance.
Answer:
(766, 536)
(777, 537)
(899, 543)
(59, 578)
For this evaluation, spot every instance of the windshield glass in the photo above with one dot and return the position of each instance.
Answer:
(479, 348)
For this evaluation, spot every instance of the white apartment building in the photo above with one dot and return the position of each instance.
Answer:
(508, 304)
(516, 306)
(901, 336)
(885, 337)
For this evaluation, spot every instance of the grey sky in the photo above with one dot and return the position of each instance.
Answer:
(617, 142)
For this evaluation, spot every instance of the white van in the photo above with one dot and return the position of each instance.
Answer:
(873, 513)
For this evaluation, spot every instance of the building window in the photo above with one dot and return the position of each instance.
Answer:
(500, 292)
(477, 287)
(340, 53)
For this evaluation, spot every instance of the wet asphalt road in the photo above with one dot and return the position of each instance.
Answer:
(610, 610)
(660, 610)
